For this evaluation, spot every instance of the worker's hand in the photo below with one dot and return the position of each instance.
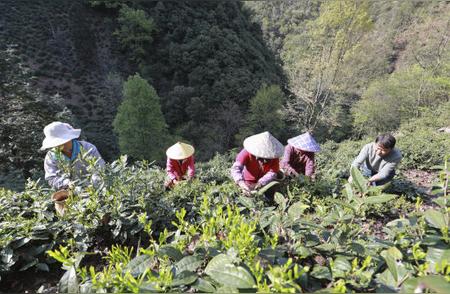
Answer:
(244, 186)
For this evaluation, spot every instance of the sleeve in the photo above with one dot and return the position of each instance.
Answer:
(310, 165)
(271, 175)
(286, 159)
(238, 166)
(170, 170)
(361, 156)
(53, 175)
(388, 169)
(191, 167)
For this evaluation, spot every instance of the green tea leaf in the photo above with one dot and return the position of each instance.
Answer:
(203, 286)
(189, 263)
(184, 278)
(222, 270)
(69, 282)
(247, 201)
(321, 272)
(267, 187)
(343, 204)
(138, 265)
(437, 256)
(348, 191)
(227, 289)
(170, 251)
(296, 210)
(358, 180)
(391, 256)
(340, 267)
(31, 263)
(43, 267)
(379, 199)
(279, 199)
(437, 284)
(436, 218)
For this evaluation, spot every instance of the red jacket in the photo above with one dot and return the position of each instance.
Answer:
(177, 171)
(249, 169)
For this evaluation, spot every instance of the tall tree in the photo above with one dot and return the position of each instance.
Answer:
(139, 122)
(315, 56)
(265, 112)
(135, 31)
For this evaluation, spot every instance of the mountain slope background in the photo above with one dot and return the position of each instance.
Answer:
(206, 61)
(348, 69)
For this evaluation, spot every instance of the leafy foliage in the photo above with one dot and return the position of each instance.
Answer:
(135, 30)
(265, 113)
(139, 122)
(314, 67)
(208, 237)
(392, 101)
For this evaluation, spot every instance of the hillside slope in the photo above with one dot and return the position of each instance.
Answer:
(206, 61)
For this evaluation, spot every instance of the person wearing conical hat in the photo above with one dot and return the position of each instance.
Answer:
(180, 163)
(64, 148)
(299, 156)
(258, 163)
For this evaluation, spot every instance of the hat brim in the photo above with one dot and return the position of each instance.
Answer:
(262, 151)
(304, 148)
(173, 154)
(54, 142)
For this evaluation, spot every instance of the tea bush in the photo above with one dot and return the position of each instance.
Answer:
(205, 236)
(422, 145)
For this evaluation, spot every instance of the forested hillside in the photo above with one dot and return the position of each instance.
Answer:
(205, 60)
(358, 67)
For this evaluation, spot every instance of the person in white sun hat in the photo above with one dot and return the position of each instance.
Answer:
(258, 163)
(299, 156)
(180, 163)
(62, 140)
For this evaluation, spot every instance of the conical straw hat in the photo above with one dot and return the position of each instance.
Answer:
(264, 145)
(305, 142)
(180, 151)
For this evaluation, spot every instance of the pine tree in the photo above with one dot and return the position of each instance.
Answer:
(139, 123)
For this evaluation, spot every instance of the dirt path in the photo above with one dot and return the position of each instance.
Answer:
(423, 180)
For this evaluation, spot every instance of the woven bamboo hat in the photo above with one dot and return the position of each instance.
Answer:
(264, 145)
(305, 142)
(180, 151)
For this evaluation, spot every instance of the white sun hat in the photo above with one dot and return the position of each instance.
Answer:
(305, 142)
(264, 145)
(180, 151)
(58, 133)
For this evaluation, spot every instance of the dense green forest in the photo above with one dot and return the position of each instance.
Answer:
(136, 76)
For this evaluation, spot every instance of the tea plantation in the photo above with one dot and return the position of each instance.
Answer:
(130, 235)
